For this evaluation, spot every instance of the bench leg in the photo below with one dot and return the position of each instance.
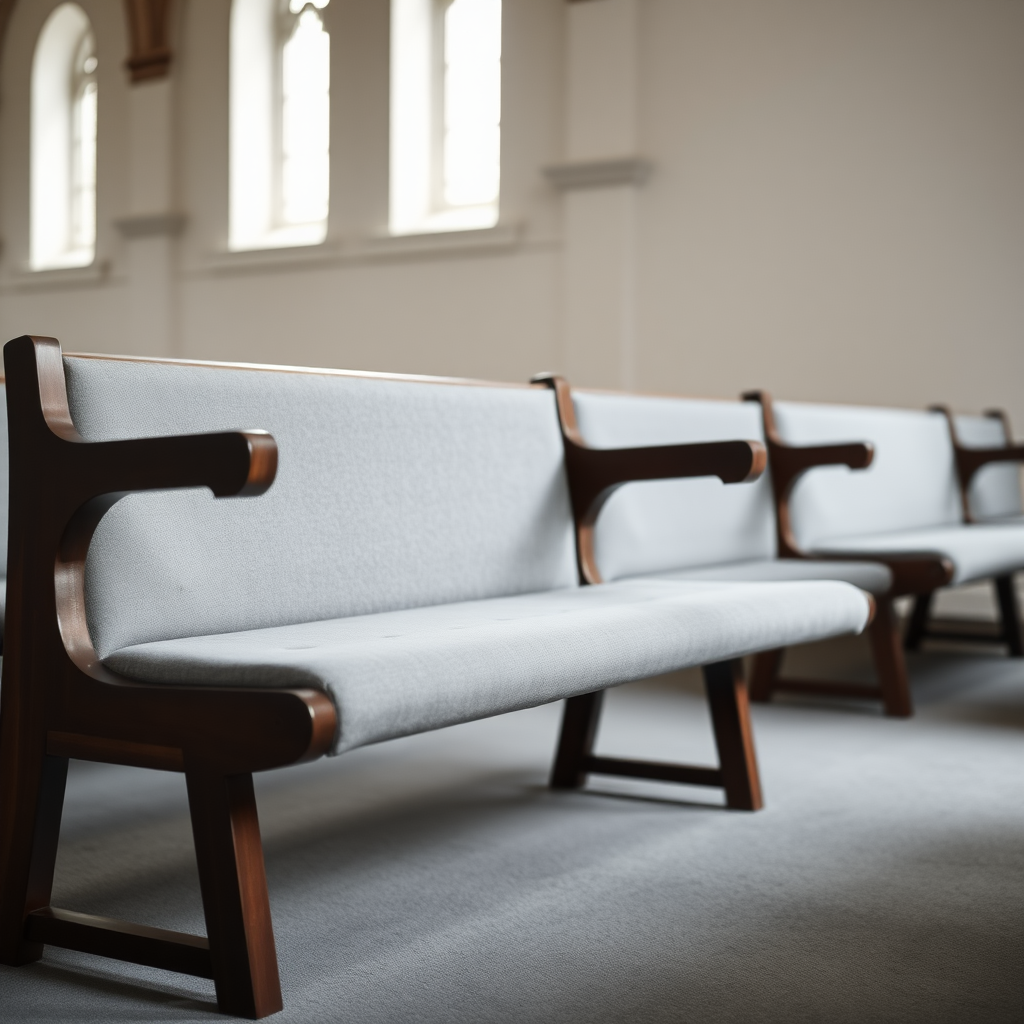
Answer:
(1010, 615)
(730, 717)
(579, 727)
(890, 664)
(765, 674)
(30, 813)
(234, 888)
(918, 625)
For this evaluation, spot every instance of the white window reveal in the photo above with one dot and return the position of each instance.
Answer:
(445, 114)
(280, 123)
(64, 105)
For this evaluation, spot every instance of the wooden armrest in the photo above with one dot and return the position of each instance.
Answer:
(594, 474)
(970, 460)
(787, 463)
(54, 684)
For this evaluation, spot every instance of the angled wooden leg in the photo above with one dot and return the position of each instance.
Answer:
(918, 625)
(1010, 615)
(730, 717)
(579, 727)
(234, 887)
(890, 664)
(764, 674)
(30, 813)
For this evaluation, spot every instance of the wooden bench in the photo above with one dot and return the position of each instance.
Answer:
(988, 473)
(906, 509)
(401, 556)
(699, 530)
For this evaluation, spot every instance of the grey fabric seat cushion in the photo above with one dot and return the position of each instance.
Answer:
(401, 672)
(977, 551)
(874, 577)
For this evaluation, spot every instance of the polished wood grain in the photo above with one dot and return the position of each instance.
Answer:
(121, 940)
(737, 773)
(234, 886)
(593, 475)
(58, 700)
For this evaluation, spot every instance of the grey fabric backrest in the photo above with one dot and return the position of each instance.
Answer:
(4, 474)
(390, 494)
(910, 484)
(674, 524)
(995, 490)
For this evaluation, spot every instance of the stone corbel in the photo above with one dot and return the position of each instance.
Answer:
(149, 32)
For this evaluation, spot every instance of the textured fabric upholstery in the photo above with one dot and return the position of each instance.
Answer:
(402, 672)
(874, 577)
(389, 494)
(994, 492)
(978, 551)
(906, 502)
(667, 524)
(911, 483)
(414, 557)
(699, 528)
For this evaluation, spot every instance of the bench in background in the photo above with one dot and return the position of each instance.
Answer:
(905, 510)
(988, 473)
(699, 530)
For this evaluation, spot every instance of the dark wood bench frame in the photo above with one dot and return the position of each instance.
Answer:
(59, 702)
(1008, 629)
(594, 475)
(912, 574)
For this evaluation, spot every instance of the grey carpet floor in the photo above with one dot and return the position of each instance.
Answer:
(435, 879)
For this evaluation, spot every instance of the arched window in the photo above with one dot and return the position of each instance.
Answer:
(280, 123)
(63, 147)
(445, 114)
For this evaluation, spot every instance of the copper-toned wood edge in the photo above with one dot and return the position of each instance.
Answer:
(593, 474)
(121, 940)
(321, 371)
(970, 460)
(109, 751)
(260, 728)
(668, 395)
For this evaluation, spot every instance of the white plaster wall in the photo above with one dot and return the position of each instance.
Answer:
(836, 209)
(488, 312)
(85, 307)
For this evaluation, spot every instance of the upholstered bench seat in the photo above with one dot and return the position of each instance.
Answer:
(874, 577)
(226, 569)
(977, 553)
(698, 529)
(403, 672)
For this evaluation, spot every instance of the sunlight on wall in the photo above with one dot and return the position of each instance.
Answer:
(279, 124)
(445, 114)
(64, 106)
